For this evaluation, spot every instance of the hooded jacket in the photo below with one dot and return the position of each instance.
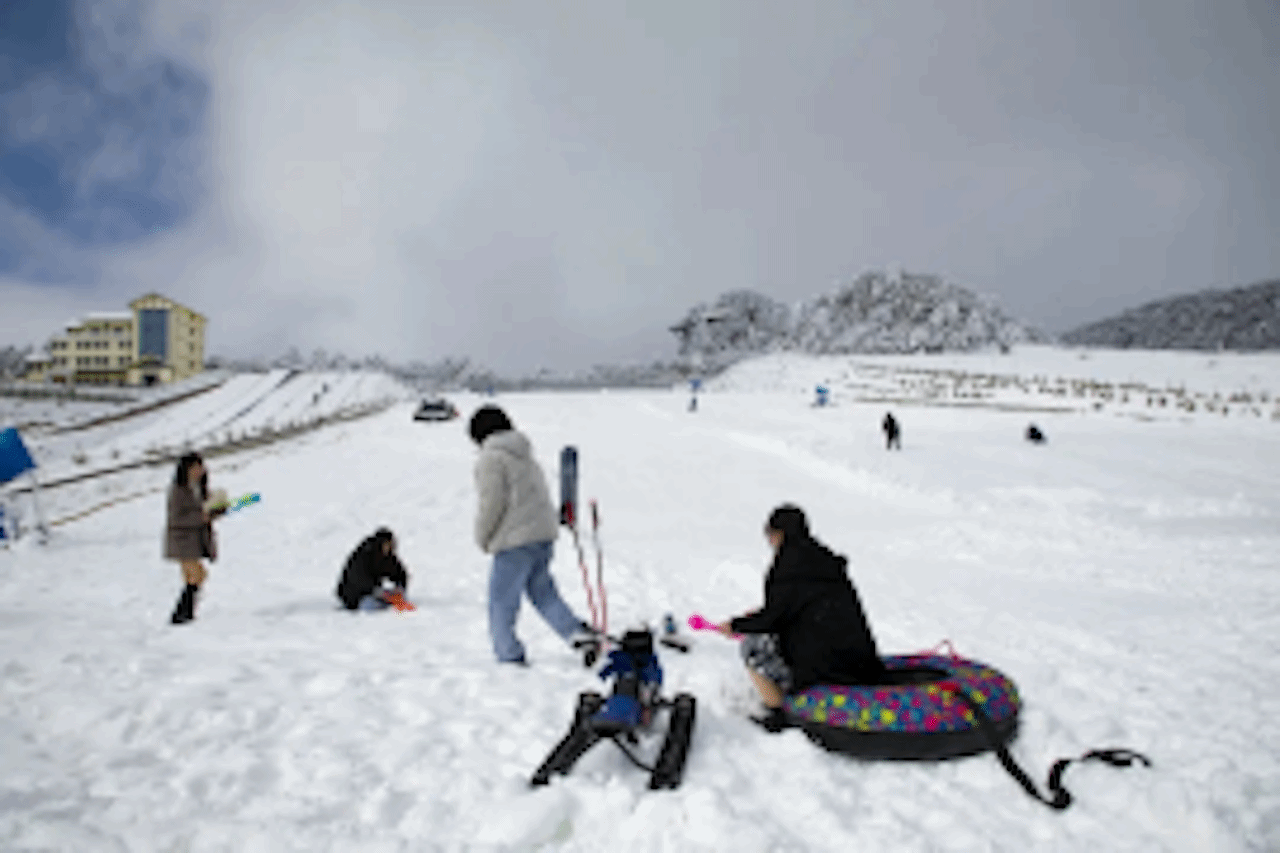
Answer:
(514, 506)
(811, 604)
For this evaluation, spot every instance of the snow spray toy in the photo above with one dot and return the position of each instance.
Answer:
(630, 709)
(397, 600)
(698, 622)
(219, 501)
(244, 501)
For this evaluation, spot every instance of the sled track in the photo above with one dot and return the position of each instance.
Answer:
(141, 410)
(168, 456)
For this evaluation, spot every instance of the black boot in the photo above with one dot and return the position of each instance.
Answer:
(773, 720)
(185, 610)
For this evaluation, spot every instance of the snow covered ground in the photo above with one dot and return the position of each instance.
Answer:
(1126, 575)
(1138, 384)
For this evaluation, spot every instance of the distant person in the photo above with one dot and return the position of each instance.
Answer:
(189, 537)
(517, 523)
(373, 563)
(892, 432)
(811, 629)
(1034, 435)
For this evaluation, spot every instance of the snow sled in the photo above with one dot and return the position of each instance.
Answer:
(931, 707)
(917, 713)
(632, 707)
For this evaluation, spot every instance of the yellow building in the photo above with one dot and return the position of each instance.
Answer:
(157, 341)
(169, 344)
(94, 350)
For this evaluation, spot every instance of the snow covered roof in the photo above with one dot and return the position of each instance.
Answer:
(111, 316)
(36, 358)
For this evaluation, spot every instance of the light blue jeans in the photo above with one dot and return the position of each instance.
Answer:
(371, 602)
(517, 571)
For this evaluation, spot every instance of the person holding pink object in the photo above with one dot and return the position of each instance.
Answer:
(698, 622)
(811, 629)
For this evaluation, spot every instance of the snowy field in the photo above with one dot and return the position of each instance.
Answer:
(1126, 575)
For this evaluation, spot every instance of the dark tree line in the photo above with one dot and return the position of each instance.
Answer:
(13, 361)
(461, 373)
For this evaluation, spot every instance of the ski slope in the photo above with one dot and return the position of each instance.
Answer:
(1128, 383)
(1125, 575)
(244, 404)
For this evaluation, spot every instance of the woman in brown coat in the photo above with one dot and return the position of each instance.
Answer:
(189, 536)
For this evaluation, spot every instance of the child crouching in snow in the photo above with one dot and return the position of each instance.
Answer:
(189, 536)
(811, 629)
(373, 561)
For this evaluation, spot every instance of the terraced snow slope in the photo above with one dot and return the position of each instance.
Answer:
(245, 404)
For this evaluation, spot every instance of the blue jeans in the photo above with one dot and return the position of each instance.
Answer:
(517, 571)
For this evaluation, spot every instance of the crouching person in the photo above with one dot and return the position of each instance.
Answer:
(371, 564)
(811, 629)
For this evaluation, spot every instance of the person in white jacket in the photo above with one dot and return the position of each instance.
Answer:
(516, 522)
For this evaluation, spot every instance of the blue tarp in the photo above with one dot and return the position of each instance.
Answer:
(14, 458)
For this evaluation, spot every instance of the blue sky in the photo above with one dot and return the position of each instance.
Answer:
(553, 183)
(93, 149)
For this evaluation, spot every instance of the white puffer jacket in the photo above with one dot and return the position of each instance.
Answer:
(515, 506)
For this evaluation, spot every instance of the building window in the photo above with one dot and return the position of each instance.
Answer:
(153, 332)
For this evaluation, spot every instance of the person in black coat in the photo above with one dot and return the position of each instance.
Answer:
(892, 432)
(373, 561)
(811, 629)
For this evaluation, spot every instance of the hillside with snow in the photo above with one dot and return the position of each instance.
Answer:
(86, 450)
(1242, 318)
(873, 314)
(1125, 575)
(1141, 385)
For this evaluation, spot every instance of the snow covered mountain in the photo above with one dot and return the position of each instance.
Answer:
(1243, 318)
(872, 314)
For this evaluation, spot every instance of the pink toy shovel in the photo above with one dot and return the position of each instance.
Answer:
(700, 623)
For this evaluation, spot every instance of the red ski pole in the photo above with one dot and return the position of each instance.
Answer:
(595, 535)
(586, 579)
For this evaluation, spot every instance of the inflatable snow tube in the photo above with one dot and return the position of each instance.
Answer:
(915, 715)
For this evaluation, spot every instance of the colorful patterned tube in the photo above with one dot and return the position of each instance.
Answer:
(917, 716)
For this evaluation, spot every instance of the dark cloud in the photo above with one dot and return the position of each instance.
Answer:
(555, 182)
